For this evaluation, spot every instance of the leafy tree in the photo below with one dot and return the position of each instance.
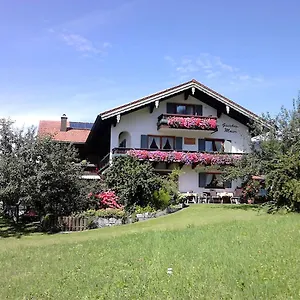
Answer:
(275, 154)
(16, 146)
(38, 173)
(133, 181)
(55, 181)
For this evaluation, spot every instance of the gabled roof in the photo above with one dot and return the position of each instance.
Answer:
(175, 90)
(71, 135)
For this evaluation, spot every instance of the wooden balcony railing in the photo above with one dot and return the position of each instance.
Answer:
(190, 122)
(175, 156)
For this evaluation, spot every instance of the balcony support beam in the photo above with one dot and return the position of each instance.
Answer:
(186, 94)
(151, 107)
(219, 113)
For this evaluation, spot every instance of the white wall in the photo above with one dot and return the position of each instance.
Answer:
(189, 181)
(142, 122)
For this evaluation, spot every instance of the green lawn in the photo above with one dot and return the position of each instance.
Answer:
(216, 253)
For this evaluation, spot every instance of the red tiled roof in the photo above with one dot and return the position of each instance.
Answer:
(71, 135)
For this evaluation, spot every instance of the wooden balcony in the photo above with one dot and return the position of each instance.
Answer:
(186, 122)
(192, 158)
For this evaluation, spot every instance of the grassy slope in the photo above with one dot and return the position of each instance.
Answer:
(215, 253)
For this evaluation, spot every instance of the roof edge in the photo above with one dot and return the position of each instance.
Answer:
(175, 89)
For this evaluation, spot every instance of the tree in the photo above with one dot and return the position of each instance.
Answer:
(275, 154)
(55, 181)
(133, 181)
(16, 146)
(38, 173)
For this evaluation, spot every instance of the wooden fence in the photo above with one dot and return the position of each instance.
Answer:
(73, 223)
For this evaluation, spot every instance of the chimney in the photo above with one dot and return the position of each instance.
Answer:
(63, 122)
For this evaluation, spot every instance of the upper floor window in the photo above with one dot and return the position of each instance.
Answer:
(161, 142)
(184, 109)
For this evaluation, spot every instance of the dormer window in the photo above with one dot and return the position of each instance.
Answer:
(184, 109)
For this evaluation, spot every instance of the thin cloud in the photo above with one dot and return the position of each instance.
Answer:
(81, 44)
(210, 67)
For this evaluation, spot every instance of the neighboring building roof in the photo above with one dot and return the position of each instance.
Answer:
(173, 90)
(71, 135)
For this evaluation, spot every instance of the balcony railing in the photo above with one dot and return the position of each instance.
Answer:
(192, 158)
(187, 122)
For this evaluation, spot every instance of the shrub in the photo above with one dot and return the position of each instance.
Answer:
(251, 189)
(106, 199)
(142, 210)
(132, 180)
(161, 198)
(103, 213)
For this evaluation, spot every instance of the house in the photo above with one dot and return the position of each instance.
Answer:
(188, 126)
(76, 133)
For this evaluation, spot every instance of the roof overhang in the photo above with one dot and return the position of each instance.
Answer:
(193, 84)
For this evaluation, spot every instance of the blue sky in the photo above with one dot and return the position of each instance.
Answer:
(82, 57)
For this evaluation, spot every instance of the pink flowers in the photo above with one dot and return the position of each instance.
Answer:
(193, 123)
(107, 199)
(194, 158)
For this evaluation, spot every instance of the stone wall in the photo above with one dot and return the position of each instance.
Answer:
(147, 216)
(107, 222)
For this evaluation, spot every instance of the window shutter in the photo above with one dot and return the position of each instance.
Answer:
(144, 141)
(202, 180)
(178, 143)
(227, 146)
(201, 145)
(198, 110)
(228, 184)
(171, 108)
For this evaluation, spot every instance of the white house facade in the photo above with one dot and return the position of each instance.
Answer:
(188, 126)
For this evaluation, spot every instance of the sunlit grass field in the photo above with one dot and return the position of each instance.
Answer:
(215, 252)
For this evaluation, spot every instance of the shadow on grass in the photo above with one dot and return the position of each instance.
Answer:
(10, 229)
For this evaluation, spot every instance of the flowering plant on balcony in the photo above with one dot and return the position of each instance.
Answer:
(187, 158)
(192, 123)
(224, 159)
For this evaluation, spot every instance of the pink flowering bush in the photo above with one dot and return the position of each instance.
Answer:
(107, 200)
(187, 158)
(192, 123)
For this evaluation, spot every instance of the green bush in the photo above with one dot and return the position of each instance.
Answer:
(142, 210)
(132, 180)
(103, 213)
(170, 185)
(161, 198)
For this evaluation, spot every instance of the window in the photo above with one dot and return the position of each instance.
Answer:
(161, 142)
(214, 145)
(184, 109)
(123, 144)
(213, 181)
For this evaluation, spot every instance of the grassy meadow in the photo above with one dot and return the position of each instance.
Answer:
(216, 252)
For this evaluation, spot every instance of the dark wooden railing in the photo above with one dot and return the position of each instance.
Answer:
(162, 121)
(104, 163)
(165, 116)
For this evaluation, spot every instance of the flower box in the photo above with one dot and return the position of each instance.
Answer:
(187, 158)
(201, 123)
